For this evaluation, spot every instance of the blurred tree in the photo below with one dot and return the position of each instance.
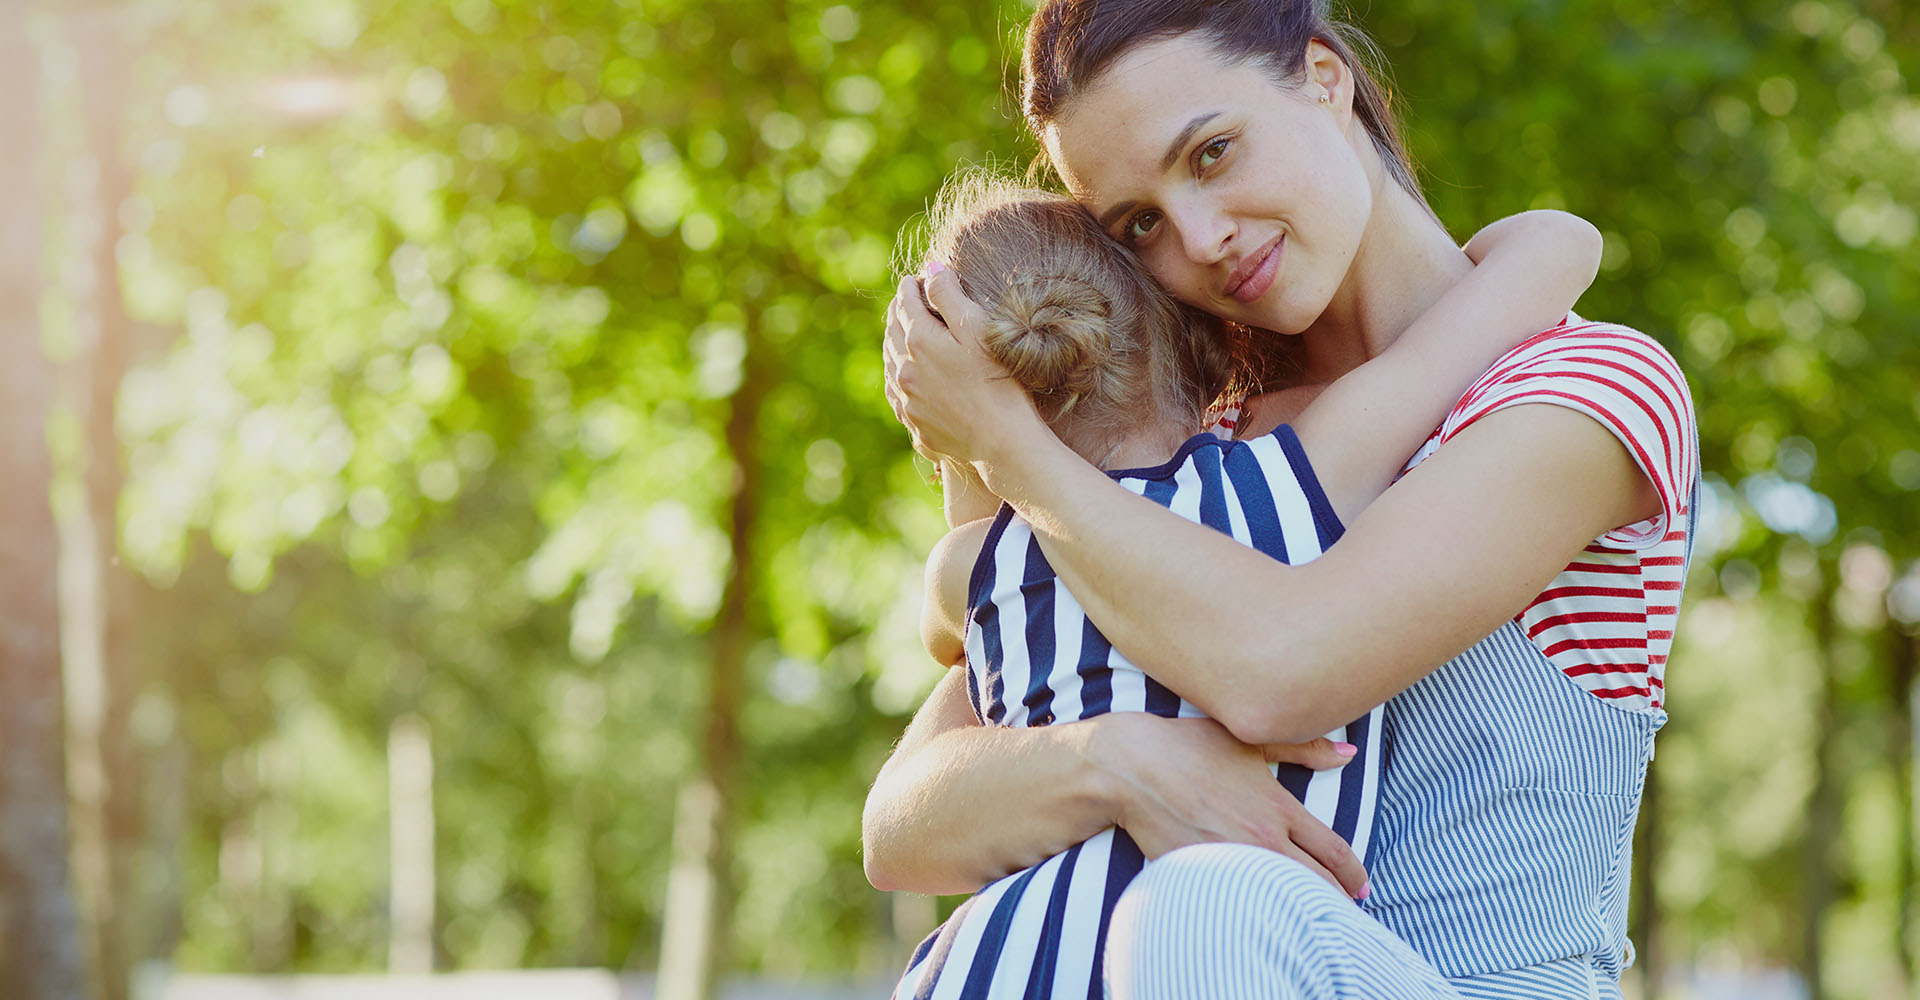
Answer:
(519, 374)
(559, 378)
(117, 910)
(40, 943)
(1752, 171)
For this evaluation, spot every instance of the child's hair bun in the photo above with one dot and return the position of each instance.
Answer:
(1074, 318)
(1051, 333)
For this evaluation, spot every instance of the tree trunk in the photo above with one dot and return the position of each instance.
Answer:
(410, 862)
(40, 953)
(1823, 812)
(1903, 658)
(693, 946)
(124, 934)
(98, 687)
(584, 908)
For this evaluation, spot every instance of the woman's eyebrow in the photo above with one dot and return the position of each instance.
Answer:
(1113, 215)
(1180, 141)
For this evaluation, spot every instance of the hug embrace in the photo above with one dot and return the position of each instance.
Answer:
(1311, 577)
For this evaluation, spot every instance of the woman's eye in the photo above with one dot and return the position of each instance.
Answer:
(1213, 151)
(1140, 225)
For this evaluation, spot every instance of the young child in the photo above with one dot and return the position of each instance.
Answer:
(1127, 377)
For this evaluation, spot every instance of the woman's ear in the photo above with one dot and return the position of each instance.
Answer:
(1328, 76)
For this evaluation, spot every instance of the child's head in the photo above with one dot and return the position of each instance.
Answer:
(1076, 320)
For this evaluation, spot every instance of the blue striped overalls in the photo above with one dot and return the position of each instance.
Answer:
(1500, 862)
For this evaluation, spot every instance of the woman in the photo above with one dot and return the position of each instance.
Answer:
(1248, 159)
(1124, 377)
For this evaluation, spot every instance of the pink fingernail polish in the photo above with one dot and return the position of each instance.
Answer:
(934, 267)
(1345, 749)
(1365, 891)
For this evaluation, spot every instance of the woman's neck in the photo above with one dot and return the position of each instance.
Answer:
(1406, 261)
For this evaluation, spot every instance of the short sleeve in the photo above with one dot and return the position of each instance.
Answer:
(1223, 418)
(1625, 381)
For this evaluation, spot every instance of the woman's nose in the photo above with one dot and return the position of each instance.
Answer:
(1205, 233)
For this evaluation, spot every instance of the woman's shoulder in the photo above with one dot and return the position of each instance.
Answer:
(1615, 372)
(1579, 345)
(1625, 380)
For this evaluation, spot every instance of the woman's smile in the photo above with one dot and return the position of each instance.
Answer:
(1254, 274)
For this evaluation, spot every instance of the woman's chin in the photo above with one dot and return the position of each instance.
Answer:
(1271, 313)
(1273, 318)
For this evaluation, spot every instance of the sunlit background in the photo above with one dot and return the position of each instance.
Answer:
(477, 539)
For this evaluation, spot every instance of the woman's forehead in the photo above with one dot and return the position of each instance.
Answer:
(1129, 124)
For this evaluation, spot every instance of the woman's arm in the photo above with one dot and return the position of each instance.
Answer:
(1072, 781)
(1168, 782)
(1446, 556)
(921, 798)
(1530, 269)
(1434, 565)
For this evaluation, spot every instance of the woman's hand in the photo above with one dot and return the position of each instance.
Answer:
(951, 396)
(936, 819)
(1188, 781)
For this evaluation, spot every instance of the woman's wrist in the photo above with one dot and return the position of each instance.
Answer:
(1108, 755)
(1018, 452)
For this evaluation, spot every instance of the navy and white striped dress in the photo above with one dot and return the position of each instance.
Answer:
(1033, 659)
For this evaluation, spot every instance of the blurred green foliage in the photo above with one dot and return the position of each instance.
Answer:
(459, 291)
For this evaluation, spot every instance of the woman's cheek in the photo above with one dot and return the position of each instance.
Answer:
(1178, 277)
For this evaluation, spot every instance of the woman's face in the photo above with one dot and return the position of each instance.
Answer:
(1244, 197)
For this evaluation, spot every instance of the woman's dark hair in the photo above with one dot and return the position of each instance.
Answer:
(1069, 42)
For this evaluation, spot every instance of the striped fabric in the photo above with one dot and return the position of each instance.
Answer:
(1233, 922)
(1502, 850)
(1504, 844)
(1033, 659)
(1499, 865)
(1506, 819)
(1565, 978)
(1607, 621)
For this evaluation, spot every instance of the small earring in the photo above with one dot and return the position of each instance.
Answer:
(1323, 97)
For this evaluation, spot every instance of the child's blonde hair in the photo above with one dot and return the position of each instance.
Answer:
(1074, 317)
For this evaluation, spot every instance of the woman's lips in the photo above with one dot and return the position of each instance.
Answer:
(1266, 264)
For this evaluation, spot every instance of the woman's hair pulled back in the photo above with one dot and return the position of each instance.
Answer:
(1074, 318)
(1069, 42)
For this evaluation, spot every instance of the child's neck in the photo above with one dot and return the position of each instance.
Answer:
(1137, 449)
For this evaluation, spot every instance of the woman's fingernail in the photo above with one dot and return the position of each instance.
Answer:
(1365, 891)
(1345, 749)
(934, 267)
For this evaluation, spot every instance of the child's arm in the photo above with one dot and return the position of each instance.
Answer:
(943, 621)
(1529, 270)
(963, 497)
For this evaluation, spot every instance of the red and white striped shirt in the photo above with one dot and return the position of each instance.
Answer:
(1607, 620)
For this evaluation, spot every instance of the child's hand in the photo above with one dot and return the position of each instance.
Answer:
(1559, 244)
